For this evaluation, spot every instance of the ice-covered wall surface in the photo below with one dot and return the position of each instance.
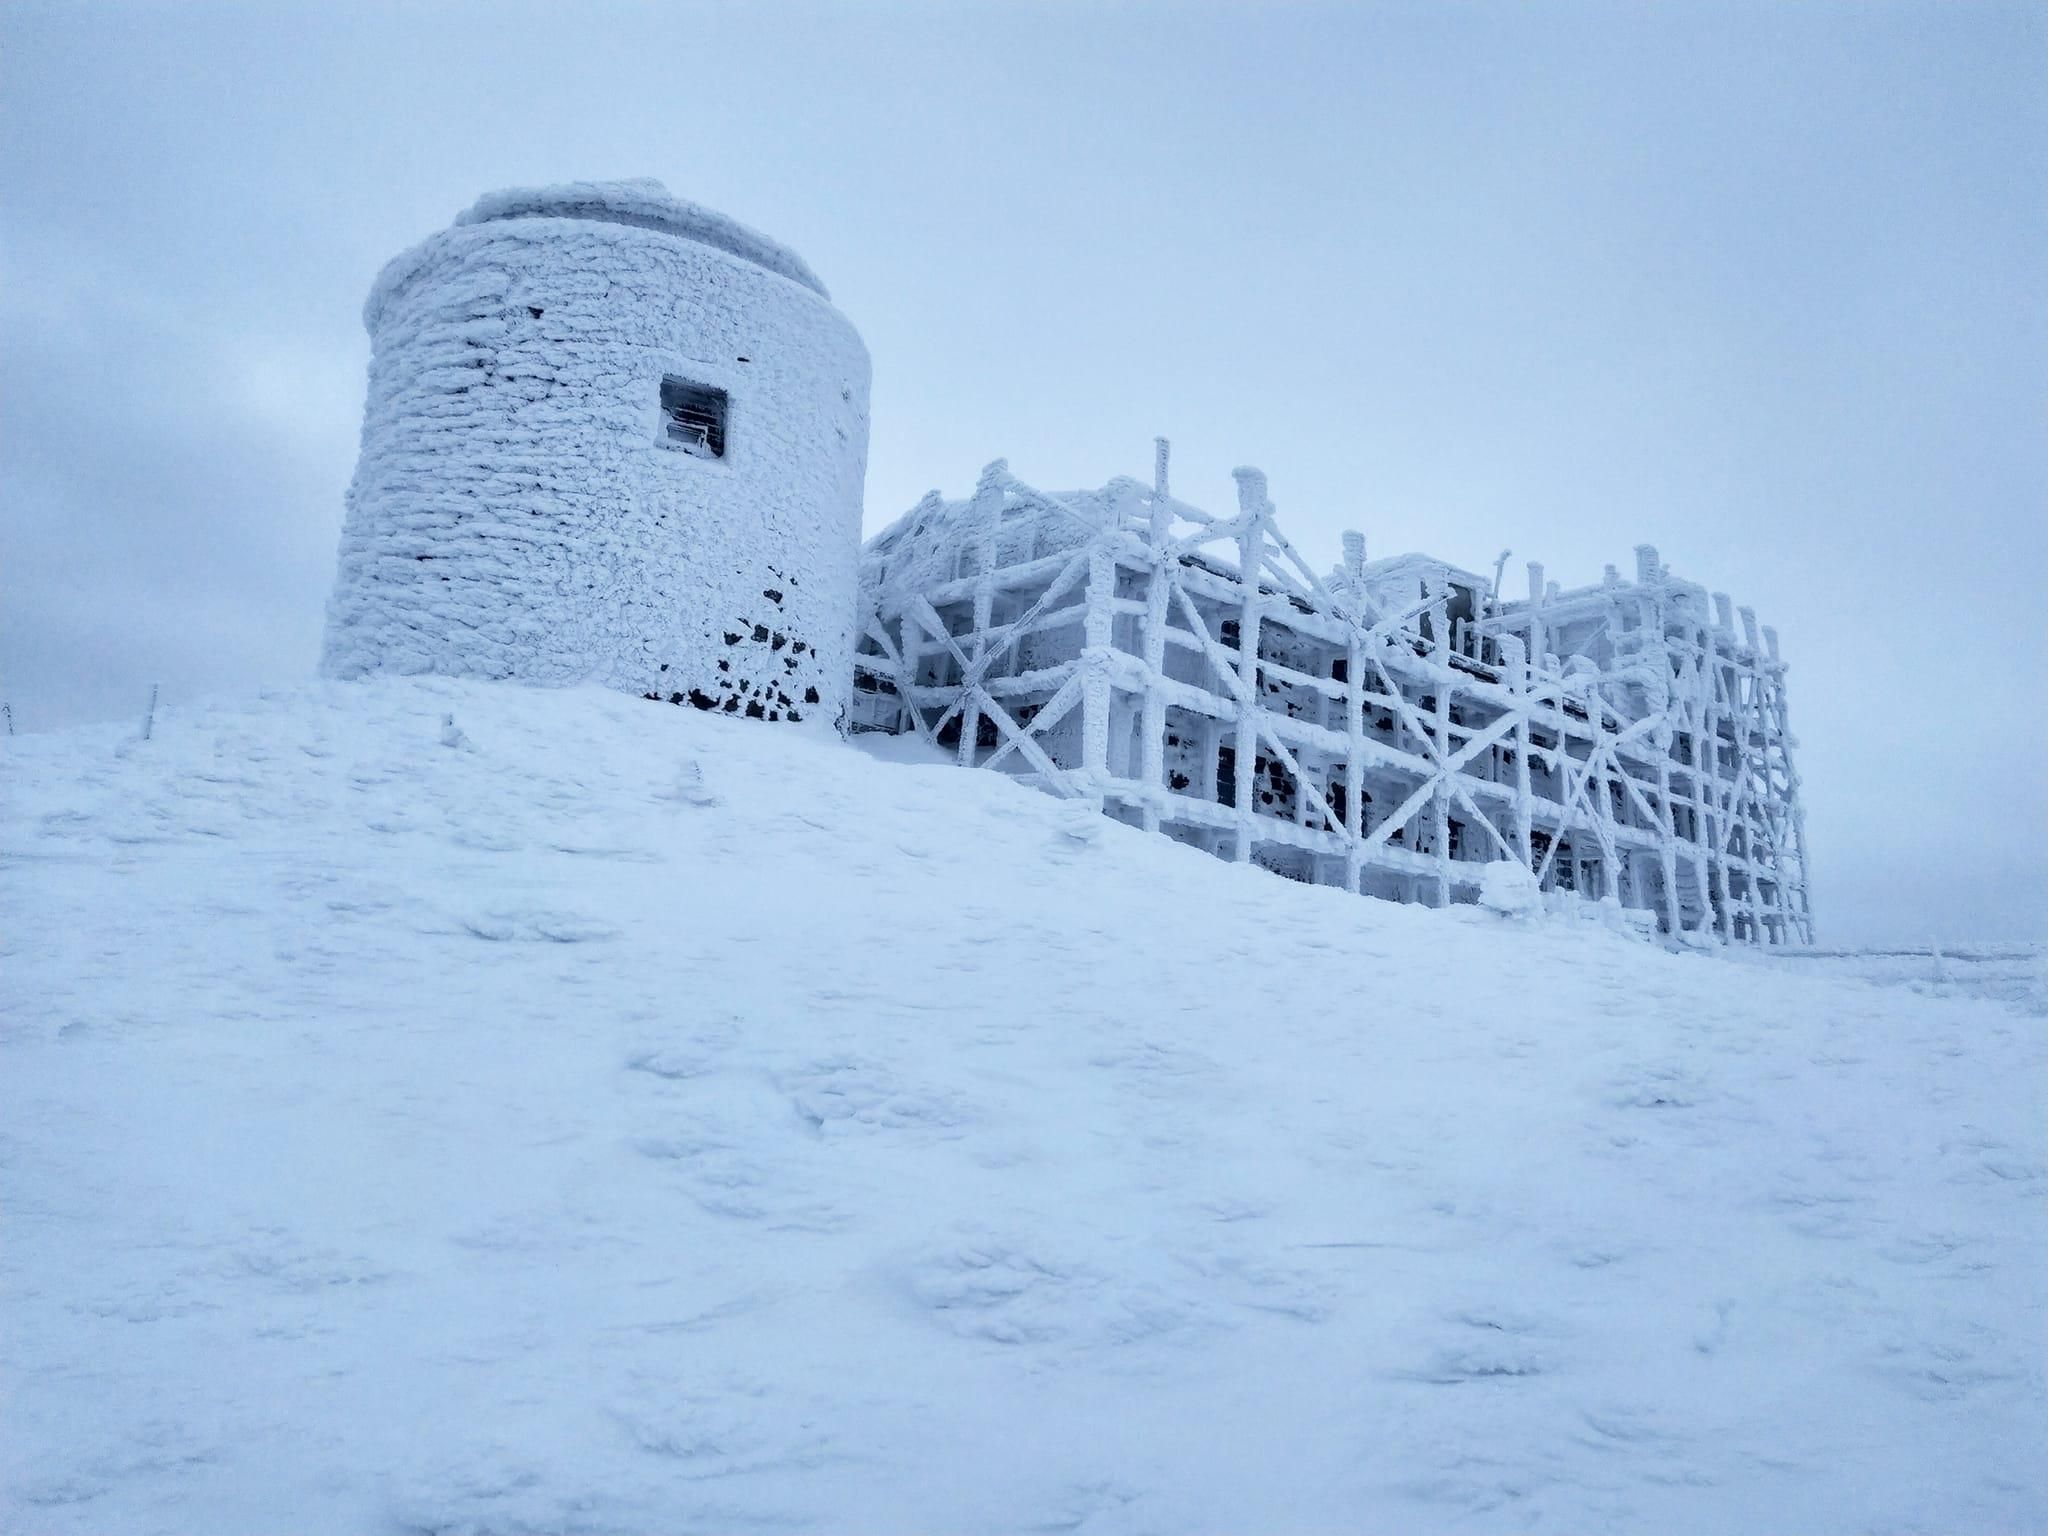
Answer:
(526, 507)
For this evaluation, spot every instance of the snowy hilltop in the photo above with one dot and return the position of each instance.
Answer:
(442, 1106)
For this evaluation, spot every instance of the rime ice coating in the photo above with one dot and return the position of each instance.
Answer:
(1399, 728)
(524, 509)
(645, 202)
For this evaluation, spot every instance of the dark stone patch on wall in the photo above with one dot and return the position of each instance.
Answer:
(749, 682)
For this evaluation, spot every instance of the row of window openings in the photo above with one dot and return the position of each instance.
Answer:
(693, 417)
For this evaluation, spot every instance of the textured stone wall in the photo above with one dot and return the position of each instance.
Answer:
(518, 510)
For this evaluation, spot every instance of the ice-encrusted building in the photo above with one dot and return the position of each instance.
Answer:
(614, 437)
(611, 437)
(1394, 727)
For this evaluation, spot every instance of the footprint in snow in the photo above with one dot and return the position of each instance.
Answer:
(1077, 828)
(536, 925)
(675, 1066)
(1636, 1428)
(1489, 1345)
(1243, 1278)
(689, 786)
(1229, 1208)
(1939, 1372)
(843, 1094)
(1080, 1507)
(994, 1291)
(1661, 1086)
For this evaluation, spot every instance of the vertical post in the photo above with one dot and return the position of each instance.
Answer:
(1657, 652)
(1098, 631)
(1806, 932)
(911, 639)
(1440, 663)
(1744, 679)
(1602, 786)
(1539, 664)
(1206, 782)
(986, 516)
(1539, 646)
(1251, 506)
(1794, 858)
(149, 719)
(1789, 835)
(1692, 706)
(1707, 752)
(913, 661)
(1514, 658)
(1158, 584)
(1354, 711)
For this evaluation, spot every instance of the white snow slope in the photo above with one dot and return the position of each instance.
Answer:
(601, 1117)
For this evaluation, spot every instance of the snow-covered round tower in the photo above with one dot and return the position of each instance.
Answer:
(612, 437)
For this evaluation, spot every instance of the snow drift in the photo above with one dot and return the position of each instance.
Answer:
(438, 1106)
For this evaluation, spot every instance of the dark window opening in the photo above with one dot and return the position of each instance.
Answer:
(693, 417)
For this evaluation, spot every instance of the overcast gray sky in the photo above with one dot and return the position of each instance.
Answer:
(1762, 285)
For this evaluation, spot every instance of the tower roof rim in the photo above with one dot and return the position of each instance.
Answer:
(644, 203)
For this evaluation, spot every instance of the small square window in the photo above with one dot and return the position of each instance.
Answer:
(693, 417)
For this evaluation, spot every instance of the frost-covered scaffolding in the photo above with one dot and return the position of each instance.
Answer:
(1392, 727)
